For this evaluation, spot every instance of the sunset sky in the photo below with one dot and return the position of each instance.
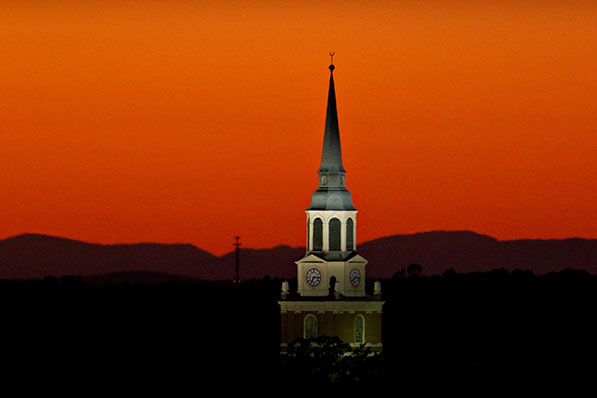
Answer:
(183, 121)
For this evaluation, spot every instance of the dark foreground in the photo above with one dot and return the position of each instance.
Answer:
(486, 334)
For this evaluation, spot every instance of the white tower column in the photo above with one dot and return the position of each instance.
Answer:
(326, 235)
(309, 233)
(343, 234)
(354, 232)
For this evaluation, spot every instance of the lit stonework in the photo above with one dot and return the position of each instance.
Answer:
(331, 298)
(333, 318)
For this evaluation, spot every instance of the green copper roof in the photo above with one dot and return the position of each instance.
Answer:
(331, 157)
(331, 193)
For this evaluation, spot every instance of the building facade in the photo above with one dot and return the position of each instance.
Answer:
(331, 299)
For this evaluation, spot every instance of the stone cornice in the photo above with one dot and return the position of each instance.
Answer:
(331, 306)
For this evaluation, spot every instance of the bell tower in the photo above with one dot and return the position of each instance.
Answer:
(331, 299)
(331, 223)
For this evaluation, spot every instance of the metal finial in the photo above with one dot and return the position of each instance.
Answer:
(332, 57)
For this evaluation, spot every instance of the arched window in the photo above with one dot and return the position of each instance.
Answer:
(335, 227)
(359, 330)
(317, 235)
(349, 235)
(310, 327)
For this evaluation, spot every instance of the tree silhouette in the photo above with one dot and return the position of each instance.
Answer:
(328, 362)
(400, 274)
(414, 270)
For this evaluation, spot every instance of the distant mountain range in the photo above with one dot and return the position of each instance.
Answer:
(34, 256)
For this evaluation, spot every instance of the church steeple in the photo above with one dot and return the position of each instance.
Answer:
(331, 157)
(332, 300)
(331, 193)
(331, 222)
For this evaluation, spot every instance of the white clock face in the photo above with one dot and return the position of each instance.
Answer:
(313, 277)
(324, 180)
(355, 277)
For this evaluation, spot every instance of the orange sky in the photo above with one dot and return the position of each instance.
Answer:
(128, 121)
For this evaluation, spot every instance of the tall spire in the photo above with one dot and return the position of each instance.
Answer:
(331, 193)
(331, 157)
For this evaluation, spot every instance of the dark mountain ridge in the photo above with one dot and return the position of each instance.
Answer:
(466, 251)
(29, 256)
(36, 256)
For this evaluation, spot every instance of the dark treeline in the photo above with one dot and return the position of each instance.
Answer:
(493, 333)
(490, 334)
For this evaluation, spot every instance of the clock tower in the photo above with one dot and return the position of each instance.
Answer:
(331, 299)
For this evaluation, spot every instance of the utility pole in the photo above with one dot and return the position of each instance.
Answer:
(237, 245)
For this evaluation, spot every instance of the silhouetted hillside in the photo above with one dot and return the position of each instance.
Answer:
(35, 256)
(136, 278)
(466, 251)
(256, 263)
